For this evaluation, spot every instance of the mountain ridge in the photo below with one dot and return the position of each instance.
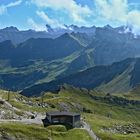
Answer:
(18, 36)
(95, 78)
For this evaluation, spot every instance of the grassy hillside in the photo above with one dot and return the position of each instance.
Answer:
(119, 77)
(20, 131)
(111, 117)
(106, 118)
(37, 64)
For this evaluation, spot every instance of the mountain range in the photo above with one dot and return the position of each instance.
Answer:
(104, 58)
(17, 36)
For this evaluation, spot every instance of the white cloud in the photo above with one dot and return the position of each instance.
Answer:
(117, 11)
(76, 11)
(48, 20)
(133, 19)
(12, 4)
(3, 8)
(113, 10)
(35, 26)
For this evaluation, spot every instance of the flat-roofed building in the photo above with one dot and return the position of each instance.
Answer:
(65, 118)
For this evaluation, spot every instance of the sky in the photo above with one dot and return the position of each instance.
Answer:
(35, 14)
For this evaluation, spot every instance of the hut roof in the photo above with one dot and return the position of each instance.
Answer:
(57, 113)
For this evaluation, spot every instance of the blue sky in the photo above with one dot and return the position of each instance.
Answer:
(34, 14)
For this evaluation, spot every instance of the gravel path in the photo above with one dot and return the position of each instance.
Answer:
(90, 131)
(37, 120)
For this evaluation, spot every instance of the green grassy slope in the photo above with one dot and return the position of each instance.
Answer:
(20, 131)
(118, 77)
(109, 119)
(35, 71)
